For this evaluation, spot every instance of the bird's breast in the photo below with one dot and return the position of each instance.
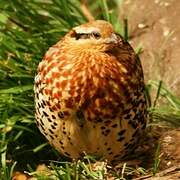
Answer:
(95, 83)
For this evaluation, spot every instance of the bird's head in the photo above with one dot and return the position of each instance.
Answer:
(97, 35)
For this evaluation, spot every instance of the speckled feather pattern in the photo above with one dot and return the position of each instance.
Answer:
(91, 100)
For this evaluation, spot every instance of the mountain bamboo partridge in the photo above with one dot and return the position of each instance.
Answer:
(89, 93)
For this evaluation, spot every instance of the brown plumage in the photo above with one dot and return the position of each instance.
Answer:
(89, 93)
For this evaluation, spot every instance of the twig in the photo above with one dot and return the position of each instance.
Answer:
(175, 169)
(86, 11)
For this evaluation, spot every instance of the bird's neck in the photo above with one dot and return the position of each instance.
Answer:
(79, 48)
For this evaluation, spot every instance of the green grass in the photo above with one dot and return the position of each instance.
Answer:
(27, 30)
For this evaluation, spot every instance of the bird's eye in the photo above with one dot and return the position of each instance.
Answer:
(96, 35)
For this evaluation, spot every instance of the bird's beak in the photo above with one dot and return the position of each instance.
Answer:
(113, 39)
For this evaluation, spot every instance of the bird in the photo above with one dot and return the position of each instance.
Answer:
(90, 94)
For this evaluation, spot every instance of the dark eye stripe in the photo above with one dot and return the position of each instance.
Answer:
(82, 36)
(95, 35)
